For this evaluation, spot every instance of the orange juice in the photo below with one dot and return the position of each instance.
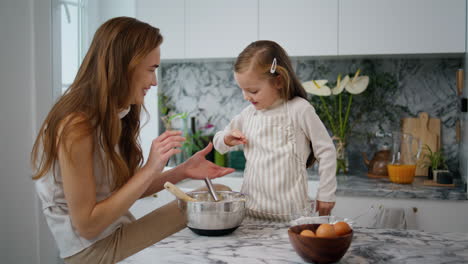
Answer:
(401, 173)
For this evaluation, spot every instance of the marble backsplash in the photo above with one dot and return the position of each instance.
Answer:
(207, 90)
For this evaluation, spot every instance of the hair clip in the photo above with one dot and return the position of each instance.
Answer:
(273, 66)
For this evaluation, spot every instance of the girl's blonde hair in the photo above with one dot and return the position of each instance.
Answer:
(259, 56)
(91, 104)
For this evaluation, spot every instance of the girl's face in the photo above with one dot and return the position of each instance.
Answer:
(261, 92)
(144, 76)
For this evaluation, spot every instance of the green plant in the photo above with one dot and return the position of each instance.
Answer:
(376, 106)
(164, 104)
(333, 101)
(433, 159)
(334, 108)
(167, 119)
(166, 111)
(194, 142)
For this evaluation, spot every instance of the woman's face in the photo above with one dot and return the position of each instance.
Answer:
(261, 92)
(144, 76)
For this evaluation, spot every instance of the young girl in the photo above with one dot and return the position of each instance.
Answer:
(89, 164)
(276, 131)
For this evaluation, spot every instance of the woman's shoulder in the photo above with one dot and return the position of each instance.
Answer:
(74, 124)
(74, 119)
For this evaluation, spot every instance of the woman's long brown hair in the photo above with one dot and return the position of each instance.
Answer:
(100, 90)
(259, 56)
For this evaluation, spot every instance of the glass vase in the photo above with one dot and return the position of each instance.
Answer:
(342, 163)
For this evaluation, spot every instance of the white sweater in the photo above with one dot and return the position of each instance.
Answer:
(308, 128)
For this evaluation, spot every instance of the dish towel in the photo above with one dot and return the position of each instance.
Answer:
(396, 218)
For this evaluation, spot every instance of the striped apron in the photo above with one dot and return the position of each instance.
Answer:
(275, 177)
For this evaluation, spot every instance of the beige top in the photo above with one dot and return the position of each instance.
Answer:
(308, 128)
(56, 211)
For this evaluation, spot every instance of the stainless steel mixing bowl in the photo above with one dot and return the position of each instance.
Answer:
(210, 218)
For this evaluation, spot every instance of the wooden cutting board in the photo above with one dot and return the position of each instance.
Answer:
(432, 183)
(427, 130)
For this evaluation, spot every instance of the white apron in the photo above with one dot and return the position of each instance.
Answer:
(275, 177)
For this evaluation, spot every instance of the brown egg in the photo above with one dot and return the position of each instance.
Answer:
(342, 228)
(325, 230)
(307, 233)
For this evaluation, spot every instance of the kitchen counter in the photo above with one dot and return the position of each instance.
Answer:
(267, 242)
(359, 185)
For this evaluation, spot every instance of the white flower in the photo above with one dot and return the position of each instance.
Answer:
(340, 84)
(358, 84)
(317, 87)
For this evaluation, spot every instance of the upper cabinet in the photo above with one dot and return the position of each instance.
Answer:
(169, 17)
(401, 26)
(223, 28)
(301, 27)
(220, 28)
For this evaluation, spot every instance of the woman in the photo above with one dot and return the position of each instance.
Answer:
(87, 159)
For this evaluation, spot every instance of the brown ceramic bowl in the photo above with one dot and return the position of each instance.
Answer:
(318, 249)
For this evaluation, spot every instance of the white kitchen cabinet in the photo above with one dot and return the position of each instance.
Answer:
(220, 28)
(430, 215)
(401, 26)
(169, 17)
(301, 27)
(223, 28)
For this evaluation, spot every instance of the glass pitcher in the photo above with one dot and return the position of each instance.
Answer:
(405, 152)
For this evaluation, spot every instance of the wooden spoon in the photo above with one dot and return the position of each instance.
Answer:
(178, 192)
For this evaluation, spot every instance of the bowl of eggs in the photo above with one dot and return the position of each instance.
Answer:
(321, 242)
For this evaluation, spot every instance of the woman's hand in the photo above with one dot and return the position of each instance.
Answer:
(162, 148)
(325, 208)
(197, 167)
(235, 137)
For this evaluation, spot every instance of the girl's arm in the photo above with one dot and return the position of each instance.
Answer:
(235, 124)
(88, 216)
(324, 150)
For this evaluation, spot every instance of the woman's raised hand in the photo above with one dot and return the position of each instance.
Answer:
(235, 137)
(197, 167)
(162, 148)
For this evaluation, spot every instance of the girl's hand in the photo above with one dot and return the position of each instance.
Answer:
(235, 137)
(197, 167)
(162, 148)
(325, 208)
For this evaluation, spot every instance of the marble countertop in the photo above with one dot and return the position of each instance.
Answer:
(360, 185)
(257, 241)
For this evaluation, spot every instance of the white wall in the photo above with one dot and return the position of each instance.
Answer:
(42, 101)
(103, 10)
(25, 98)
(113, 8)
(18, 220)
(22, 102)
